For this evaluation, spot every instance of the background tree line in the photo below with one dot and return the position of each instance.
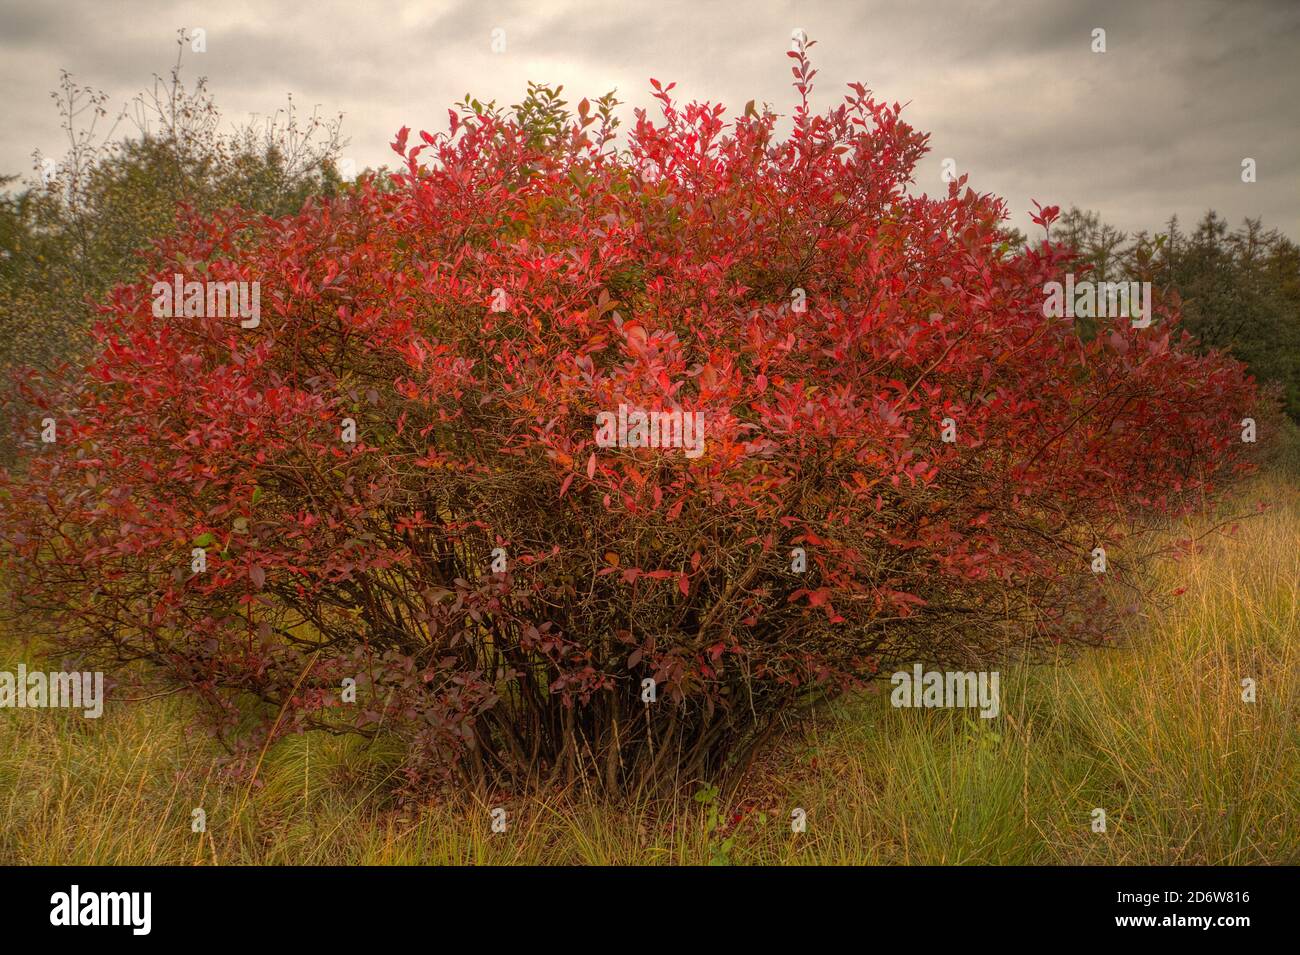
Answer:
(1240, 288)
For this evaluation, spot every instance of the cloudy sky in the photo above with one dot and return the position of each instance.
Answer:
(1010, 89)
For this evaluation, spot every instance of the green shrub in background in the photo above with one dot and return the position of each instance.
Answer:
(69, 235)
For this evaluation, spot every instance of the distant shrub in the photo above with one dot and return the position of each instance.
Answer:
(72, 234)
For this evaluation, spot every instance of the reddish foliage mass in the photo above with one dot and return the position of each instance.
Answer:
(472, 316)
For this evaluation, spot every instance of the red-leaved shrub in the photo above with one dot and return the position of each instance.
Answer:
(498, 584)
